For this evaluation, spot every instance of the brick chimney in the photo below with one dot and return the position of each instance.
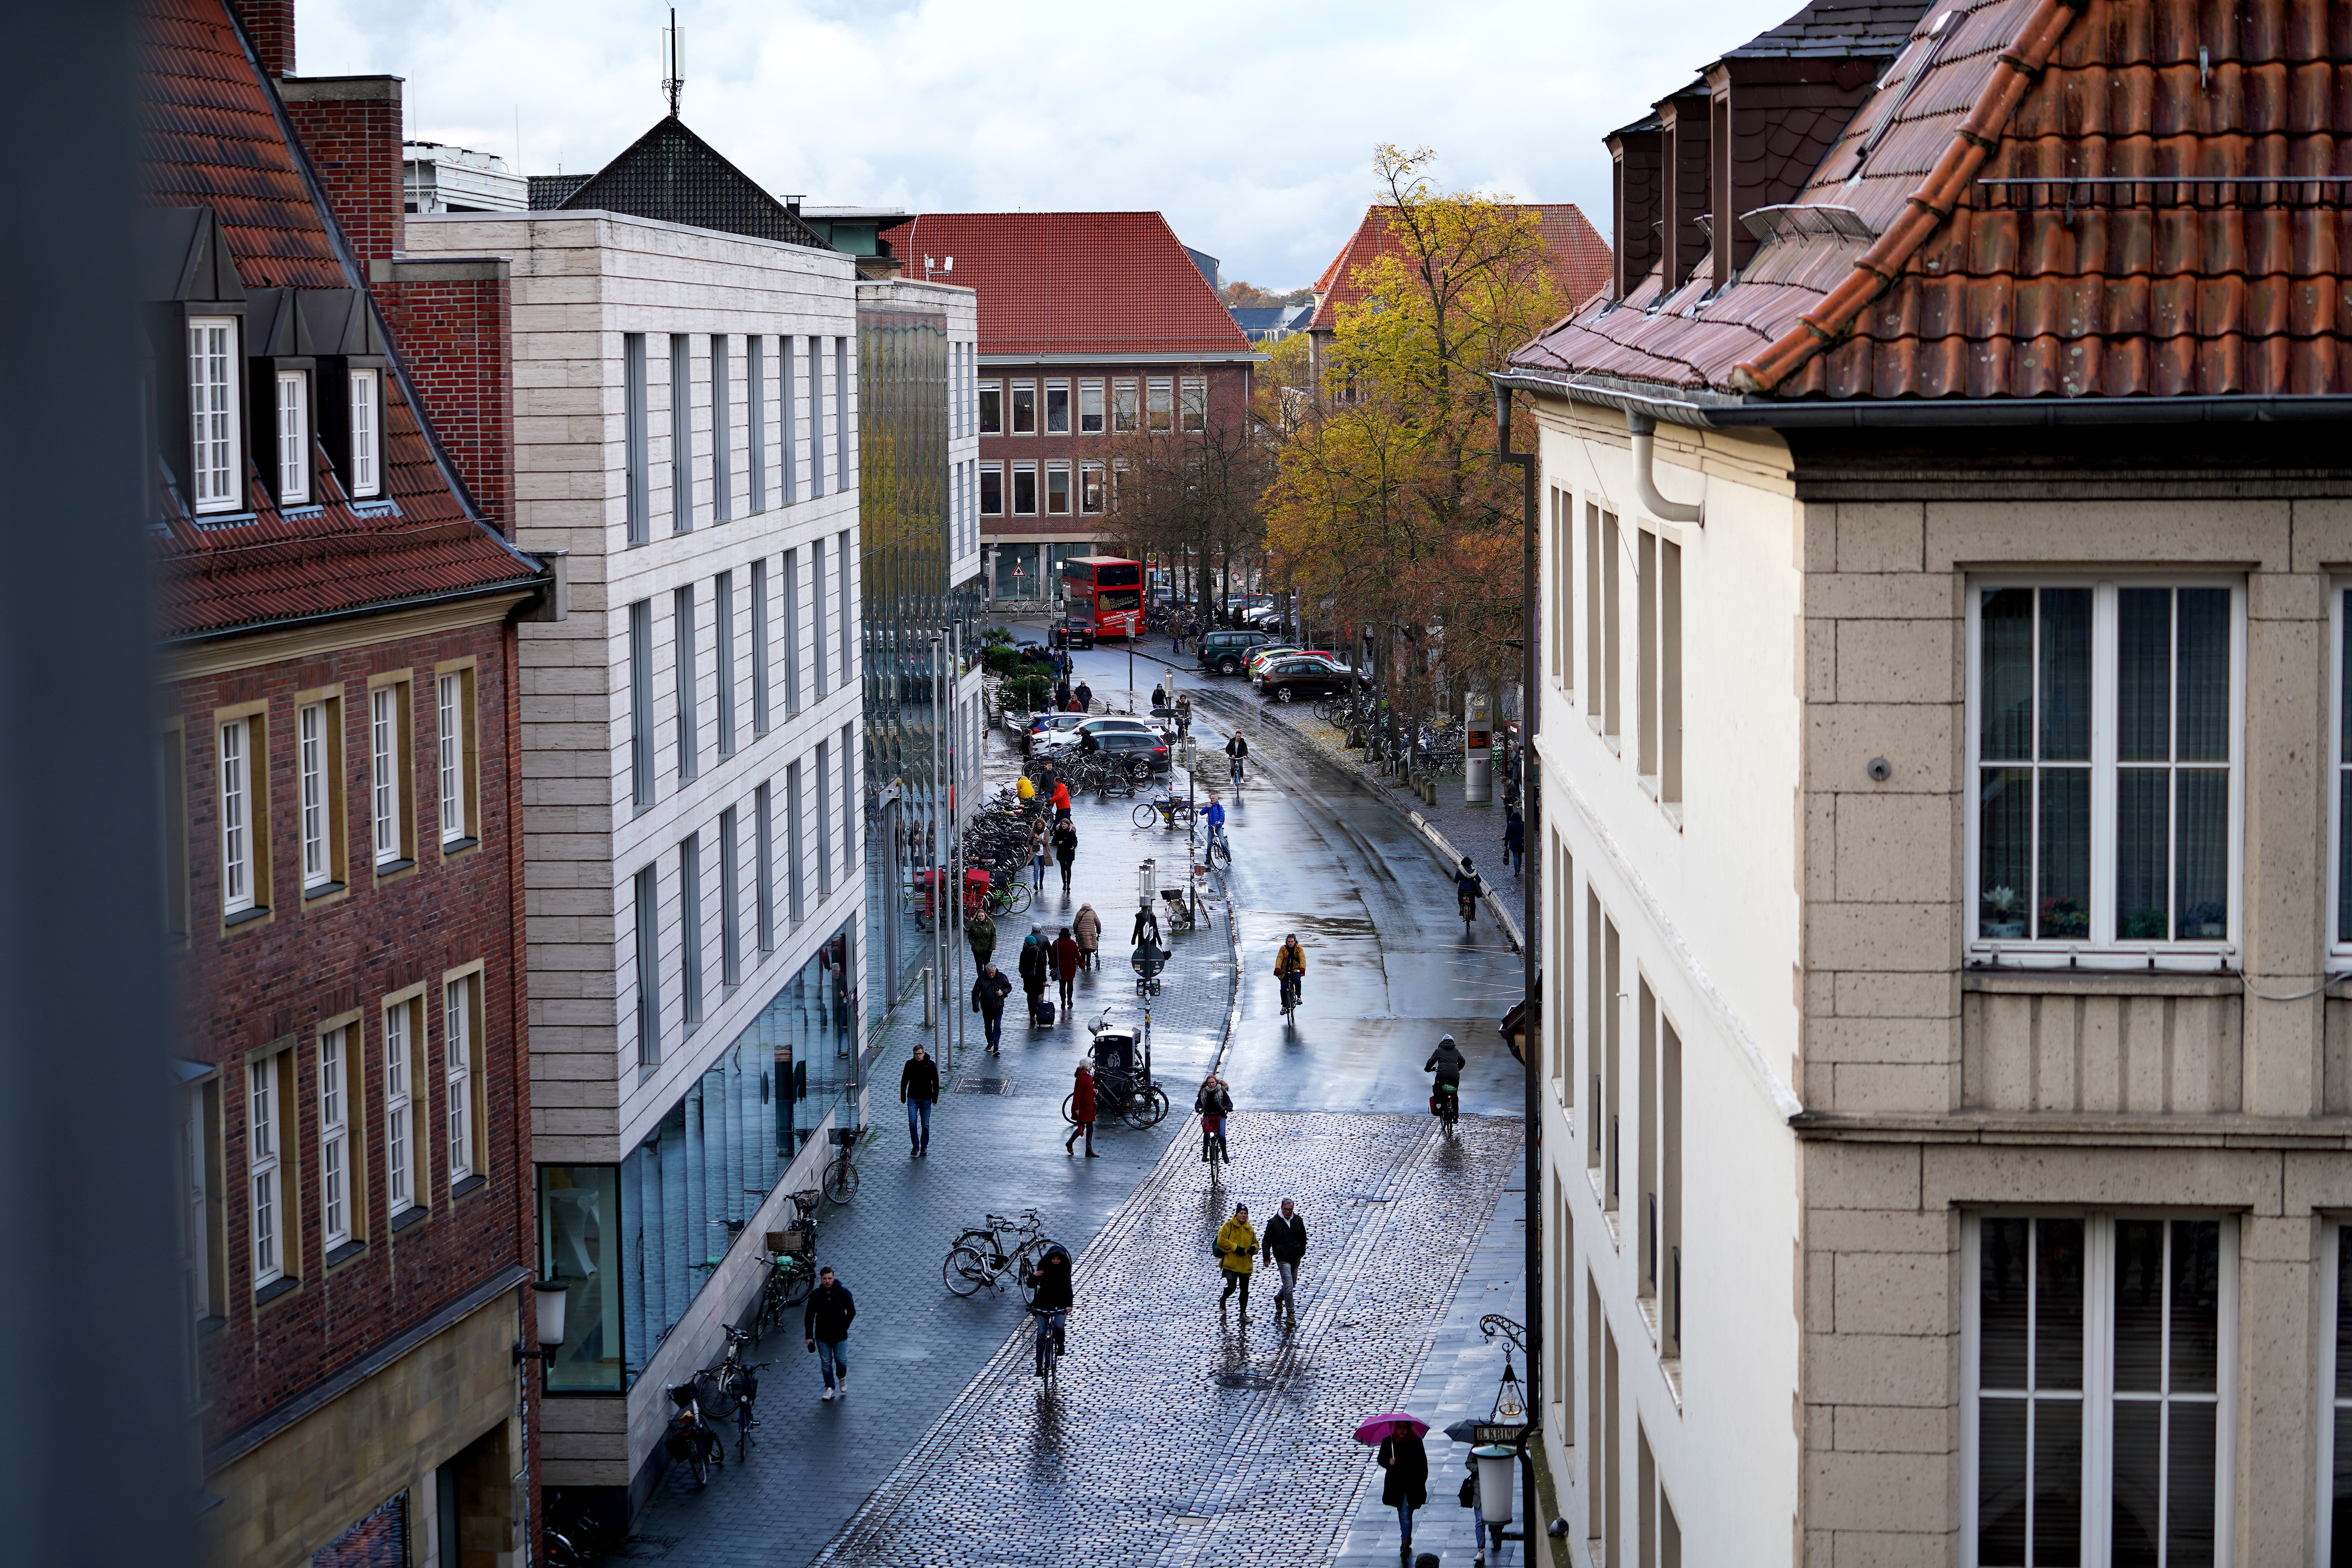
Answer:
(1634, 181)
(270, 27)
(351, 126)
(1683, 129)
(452, 319)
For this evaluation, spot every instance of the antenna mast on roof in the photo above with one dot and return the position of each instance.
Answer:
(671, 81)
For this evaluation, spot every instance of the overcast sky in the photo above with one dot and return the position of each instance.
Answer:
(1250, 125)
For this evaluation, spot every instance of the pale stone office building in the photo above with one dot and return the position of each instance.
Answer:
(686, 427)
(1943, 807)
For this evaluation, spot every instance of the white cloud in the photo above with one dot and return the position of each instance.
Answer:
(1251, 126)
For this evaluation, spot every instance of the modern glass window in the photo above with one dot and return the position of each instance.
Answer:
(824, 822)
(400, 1146)
(991, 490)
(1196, 404)
(264, 1133)
(581, 1244)
(817, 616)
(387, 764)
(336, 1221)
(792, 629)
(1562, 610)
(2098, 1354)
(1057, 408)
(2342, 749)
(641, 703)
(461, 1072)
(1024, 409)
(755, 408)
(1057, 488)
(759, 609)
(1024, 490)
(635, 459)
(844, 468)
(365, 389)
(320, 766)
(2104, 724)
(689, 929)
(730, 900)
(786, 410)
(681, 433)
(849, 847)
(2335, 1431)
(1090, 488)
(1090, 409)
(722, 414)
(690, 704)
(213, 362)
(456, 743)
(991, 408)
(763, 874)
(816, 414)
(722, 604)
(293, 436)
(645, 910)
(1160, 410)
(792, 880)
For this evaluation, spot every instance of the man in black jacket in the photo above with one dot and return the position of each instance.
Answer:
(919, 1089)
(1032, 970)
(988, 994)
(825, 1323)
(1285, 1242)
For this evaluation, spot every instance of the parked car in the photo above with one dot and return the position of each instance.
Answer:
(1041, 724)
(1047, 741)
(1224, 652)
(1259, 655)
(1288, 679)
(1144, 743)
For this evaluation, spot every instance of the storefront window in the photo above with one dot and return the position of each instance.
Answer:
(579, 1244)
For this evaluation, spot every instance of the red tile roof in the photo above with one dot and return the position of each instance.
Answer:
(2018, 227)
(212, 138)
(1579, 259)
(1074, 283)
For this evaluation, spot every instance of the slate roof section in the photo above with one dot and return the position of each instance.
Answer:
(1100, 283)
(672, 175)
(547, 191)
(212, 138)
(2019, 227)
(1833, 29)
(1579, 259)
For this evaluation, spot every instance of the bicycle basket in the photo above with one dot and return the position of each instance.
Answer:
(788, 1243)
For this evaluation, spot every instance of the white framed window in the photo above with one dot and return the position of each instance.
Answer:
(334, 1141)
(454, 737)
(400, 1149)
(1160, 410)
(200, 1233)
(1090, 488)
(387, 751)
(459, 1050)
(1057, 408)
(1024, 409)
(1195, 407)
(2105, 725)
(991, 490)
(991, 408)
(1024, 490)
(1123, 408)
(2339, 748)
(1090, 409)
(366, 390)
(240, 867)
(264, 1132)
(2335, 1400)
(293, 436)
(1057, 488)
(2099, 1355)
(315, 736)
(213, 435)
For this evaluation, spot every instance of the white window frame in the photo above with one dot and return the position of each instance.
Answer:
(449, 690)
(1059, 468)
(314, 737)
(1012, 391)
(980, 389)
(2102, 948)
(400, 1109)
(2098, 1392)
(384, 763)
(1101, 482)
(458, 1046)
(2326, 1401)
(1192, 404)
(1091, 406)
(1155, 388)
(292, 413)
(366, 423)
(2338, 629)
(334, 1138)
(215, 445)
(1126, 408)
(239, 864)
(987, 472)
(1013, 499)
(265, 1137)
(1047, 416)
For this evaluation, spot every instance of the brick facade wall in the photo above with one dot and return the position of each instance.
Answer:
(455, 325)
(270, 27)
(273, 981)
(351, 126)
(1228, 400)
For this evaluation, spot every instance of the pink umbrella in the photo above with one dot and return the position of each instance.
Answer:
(1377, 1428)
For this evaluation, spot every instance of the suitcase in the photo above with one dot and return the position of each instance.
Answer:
(1045, 1014)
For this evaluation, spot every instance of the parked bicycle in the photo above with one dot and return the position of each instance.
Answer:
(984, 1256)
(1166, 810)
(841, 1174)
(689, 1436)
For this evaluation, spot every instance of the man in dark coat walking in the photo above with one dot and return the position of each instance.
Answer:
(1082, 1113)
(1065, 957)
(825, 1325)
(918, 1090)
(1286, 1243)
(1065, 848)
(1034, 965)
(988, 994)
(1084, 697)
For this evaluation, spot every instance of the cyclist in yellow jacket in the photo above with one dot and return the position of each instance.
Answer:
(1290, 968)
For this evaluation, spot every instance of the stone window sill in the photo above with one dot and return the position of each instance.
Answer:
(283, 1286)
(344, 1254)
(244, 916)
(324, 891)
(468, 1187)
(386, 870)
(410, 1215)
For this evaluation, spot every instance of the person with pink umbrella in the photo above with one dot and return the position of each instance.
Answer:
(1401, 1453)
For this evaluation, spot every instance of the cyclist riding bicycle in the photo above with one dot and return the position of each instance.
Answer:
(1214, 1103)
(1290, 968)
(1237, 749)
(1049, 1301)
(1216, 818)
(1447, 1062)
(1466, 886)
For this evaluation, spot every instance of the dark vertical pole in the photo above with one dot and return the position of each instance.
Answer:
(89, 1307)
(1531, 1526)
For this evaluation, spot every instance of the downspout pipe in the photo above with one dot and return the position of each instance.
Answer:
(1643, 428)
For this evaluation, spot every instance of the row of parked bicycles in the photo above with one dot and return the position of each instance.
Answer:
(1435, 748)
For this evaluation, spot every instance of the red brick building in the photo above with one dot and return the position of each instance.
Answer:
(1093, 327)
(341, 824)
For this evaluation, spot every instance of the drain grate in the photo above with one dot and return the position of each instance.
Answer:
(983, 1086)
(1243, 1380)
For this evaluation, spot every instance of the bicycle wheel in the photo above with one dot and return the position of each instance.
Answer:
(717, 1396)
(1148, 1109)
(1145, 815)
(1018, 899)
(963, 1271)
(1069, 1103)
(841, 1179)
(797, 1285)
(699, 1463)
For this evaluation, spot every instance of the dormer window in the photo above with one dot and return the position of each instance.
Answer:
(293, 436)
(365, 474)
(213, 362)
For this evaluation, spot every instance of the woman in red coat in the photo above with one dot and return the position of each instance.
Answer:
(1067, 959)
(1082, 1113)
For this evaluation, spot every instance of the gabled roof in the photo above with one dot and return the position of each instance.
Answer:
(1578, 257)
(672, 175)
(212, 139)
(1075, 283)
(2004, 218)
(1836, 29)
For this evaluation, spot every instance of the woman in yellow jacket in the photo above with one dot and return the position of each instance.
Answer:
(1236, 1254)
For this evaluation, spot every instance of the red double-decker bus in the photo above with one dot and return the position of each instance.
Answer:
(1104, 595)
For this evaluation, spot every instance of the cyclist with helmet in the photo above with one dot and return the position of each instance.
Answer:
(1447, 1061)
(1049, 1301)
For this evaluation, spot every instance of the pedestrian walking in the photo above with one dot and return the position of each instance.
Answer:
(824, 1324)
(1183, 715)
(919, 1090)
(1469, 1500)
(1286, 1243)
(1158, 696)
(1065, 964)
(1033, 963)
(1406, 1460)
(1066, 846)
(988, 994)
(1037, 858)
(1082, 1113)
(1515, 837)
(981, 933)
(1147, 923)
(1236, 1256)
(1062, 696)
(1062, 809)
(1212, 1104)
(1088, 929)
(1085, 697)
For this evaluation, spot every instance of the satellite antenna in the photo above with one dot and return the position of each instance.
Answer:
(671, 81)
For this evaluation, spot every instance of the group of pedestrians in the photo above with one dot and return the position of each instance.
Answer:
(1238, 1247)
(1068, 699)
(1044, 960)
